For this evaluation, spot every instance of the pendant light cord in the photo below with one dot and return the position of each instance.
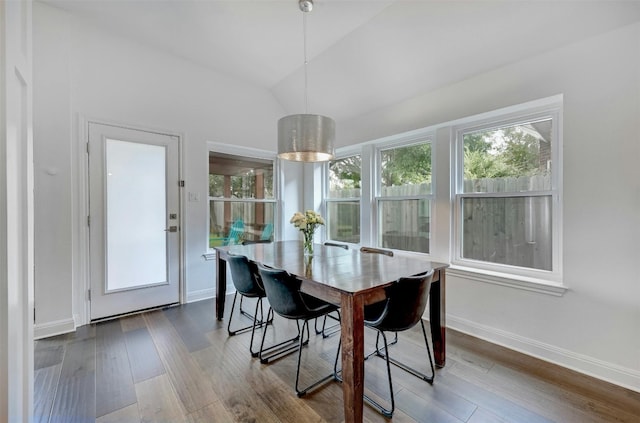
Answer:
(304, 30)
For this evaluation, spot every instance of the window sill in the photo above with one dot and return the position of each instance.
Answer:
(514, 281)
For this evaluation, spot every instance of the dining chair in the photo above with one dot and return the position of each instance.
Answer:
(245, 277)
(254, 269)
(328, 331)
(389, 253)
(235, 233)
(267, 232)
(406, 300)
(376, 251)
(256, 241)
(286, 300)
(335, 244)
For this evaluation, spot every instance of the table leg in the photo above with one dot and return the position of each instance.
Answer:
(437, 318)
(221, 286)
(352, 316)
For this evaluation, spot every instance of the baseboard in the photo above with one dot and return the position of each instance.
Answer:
(203, 294)
(618, 375)
(58, 327)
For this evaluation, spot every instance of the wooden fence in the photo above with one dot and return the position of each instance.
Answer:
(513, 230)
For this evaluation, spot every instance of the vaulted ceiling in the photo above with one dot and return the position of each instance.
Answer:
(363, 54)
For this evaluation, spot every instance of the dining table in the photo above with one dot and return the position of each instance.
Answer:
(350, 279)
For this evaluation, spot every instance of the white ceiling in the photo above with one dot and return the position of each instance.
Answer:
(363, 54)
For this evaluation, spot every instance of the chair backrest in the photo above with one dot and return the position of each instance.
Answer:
(283, 292)
(267, 231)
(376, 251)
(237, 229)
(333, 244)
(244, 275)
(256, 241)
(406, 301)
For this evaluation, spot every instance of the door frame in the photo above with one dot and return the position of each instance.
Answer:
(81, 271)
(17, 212)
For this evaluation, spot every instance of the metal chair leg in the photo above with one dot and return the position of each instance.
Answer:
(428, 379)
(255, 323)
(384, 411)
(259, 323)
(281, 349)
(301, 392)
(379, 352)
(328, 331)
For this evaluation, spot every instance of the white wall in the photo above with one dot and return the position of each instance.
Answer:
(81, 71)
(595, 326)
(53, 174)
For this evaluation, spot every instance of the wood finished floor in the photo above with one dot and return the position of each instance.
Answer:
(179, 365)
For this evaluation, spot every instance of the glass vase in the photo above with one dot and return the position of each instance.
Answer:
(308, 243)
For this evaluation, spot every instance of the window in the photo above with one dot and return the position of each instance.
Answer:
(506, 197)
(493, 185)
(404, 197)
(241, 199)
(343, 199)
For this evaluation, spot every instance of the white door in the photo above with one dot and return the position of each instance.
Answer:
(134, 222)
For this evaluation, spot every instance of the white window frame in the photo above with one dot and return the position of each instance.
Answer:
(343, 155)
(250, 153)
(528, 278)
(405, 140)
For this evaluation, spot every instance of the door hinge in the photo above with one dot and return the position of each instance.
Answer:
(87, 148)
(34, 315)
(181, 183)
(89, 294)
(88, 220)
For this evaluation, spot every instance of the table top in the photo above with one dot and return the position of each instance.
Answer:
(348, 271)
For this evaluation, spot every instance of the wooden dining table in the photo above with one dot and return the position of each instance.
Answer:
(350, 279)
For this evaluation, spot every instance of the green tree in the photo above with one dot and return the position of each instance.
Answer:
(521, 152)
(406, 165)
(345, 173)
(479, 165)
(216, 185)
(505, 152)
(477, 142)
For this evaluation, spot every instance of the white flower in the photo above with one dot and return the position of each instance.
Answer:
(307, 222)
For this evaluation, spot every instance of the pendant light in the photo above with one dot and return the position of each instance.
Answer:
(306, 137)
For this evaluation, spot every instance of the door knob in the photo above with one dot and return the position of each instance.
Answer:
(172, 229)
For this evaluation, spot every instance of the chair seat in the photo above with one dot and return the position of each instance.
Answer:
(317, 307)
(286, 300)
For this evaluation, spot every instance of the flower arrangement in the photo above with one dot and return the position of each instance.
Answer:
(307, 223)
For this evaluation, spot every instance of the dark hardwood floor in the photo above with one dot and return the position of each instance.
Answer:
(179, 365)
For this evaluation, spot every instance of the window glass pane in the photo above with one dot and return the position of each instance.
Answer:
(343, 221)
(511, 158)
(231, 222)
(136, 214)
(406, 170)
(404, 224)
(240, 177)
(344, 177)
(508, 230)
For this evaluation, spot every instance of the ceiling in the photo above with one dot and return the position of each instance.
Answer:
(363, 54)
